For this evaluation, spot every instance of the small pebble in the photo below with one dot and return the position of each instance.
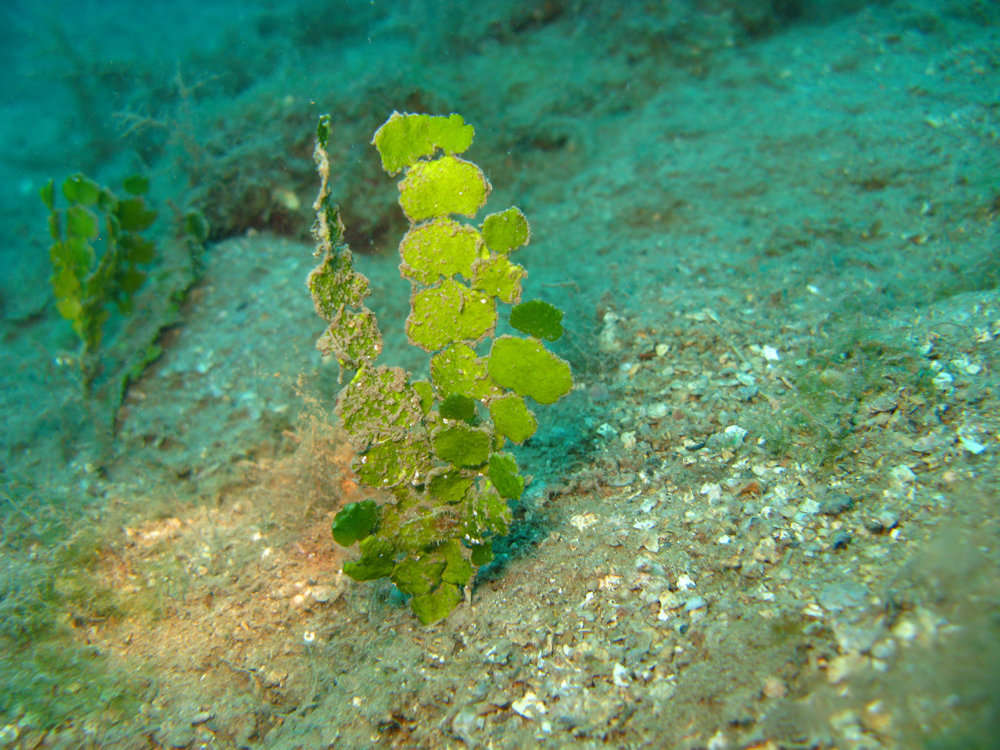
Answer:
(971, 444)
(841, 539)
(846, 724)
(606, 431)
(529, 706)
(582, 521)
(876, 718)
(903, 474)
(836, 504)
(884, 649)
(466, 722)
(695, 602)
(856, 637)
(943, 380)
(883, 521)
(658, 411)
(838, 596)
(774, 687)
(809, 507)
(842, 667)
(905, 630)
(718, 741)
(766, 550)
(323, 594)
(645, 565)
(621, 676)
(669, 600)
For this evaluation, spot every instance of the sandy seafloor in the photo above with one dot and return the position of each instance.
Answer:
(767, 514)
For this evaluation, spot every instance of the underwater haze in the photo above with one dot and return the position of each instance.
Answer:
(761, 513)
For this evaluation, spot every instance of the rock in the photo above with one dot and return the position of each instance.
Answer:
(621, 676)
(837, 597)
(809, 507)
(836, 504)
(466, 722)
(529, 706)
(856, 637)
(884, 649)
(841, 539)
(841, 667)
(176, 735)
(695, 602)
(883, 521)
(906, 630)
(609, 338)
(658, 411)
(8, 735)
(662, 691)
(847, 725)
(730, 438)
(499, 653)
(324, 594)
(766, 551)
(930, 442)
(902, 475)
(774, 687)
(876, 718)
(885, 402)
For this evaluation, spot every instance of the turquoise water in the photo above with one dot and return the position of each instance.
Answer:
(772, 228)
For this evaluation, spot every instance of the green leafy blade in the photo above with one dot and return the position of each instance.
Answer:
(528, 368)
(404, 138)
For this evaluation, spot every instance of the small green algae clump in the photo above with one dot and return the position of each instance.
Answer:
(434, 448)
(85, 282)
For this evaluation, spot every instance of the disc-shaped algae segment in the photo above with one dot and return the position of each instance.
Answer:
(334, 284)
(458, 370)
(538, 318)
(447, 313)
(352, 337)
(498, 277)
(506, 230)
(448, 185)
(458, 406)
(436, 605)
(462, 445)
(488, 513)
(378, 405)
(512, 418)
(418, 575)
(394, 462)
(440, 247)
(354, 522)
(404, 138)
(376, 560)
(505, 476)
(449, 486)
(526, 367)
